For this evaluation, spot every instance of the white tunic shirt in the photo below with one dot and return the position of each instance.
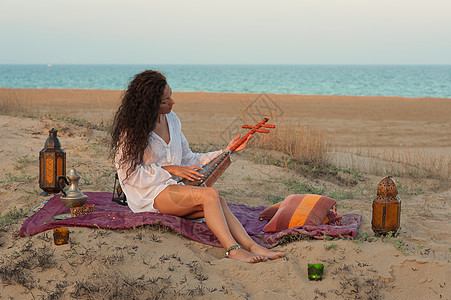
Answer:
(149, 179)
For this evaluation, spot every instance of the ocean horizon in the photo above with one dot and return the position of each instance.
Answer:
(353, 80)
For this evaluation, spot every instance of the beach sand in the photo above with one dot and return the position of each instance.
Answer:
(152, 262)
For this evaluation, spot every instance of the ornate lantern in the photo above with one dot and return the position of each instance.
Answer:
(386, 208)
(52, 163)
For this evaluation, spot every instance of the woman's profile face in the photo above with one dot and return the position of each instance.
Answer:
(166, 101)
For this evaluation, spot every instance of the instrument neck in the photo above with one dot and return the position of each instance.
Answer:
(244, 138)
(241, 141)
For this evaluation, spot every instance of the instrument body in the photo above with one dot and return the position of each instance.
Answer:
(217, 166)
(212, 170)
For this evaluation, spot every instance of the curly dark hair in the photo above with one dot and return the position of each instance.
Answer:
(136, 117)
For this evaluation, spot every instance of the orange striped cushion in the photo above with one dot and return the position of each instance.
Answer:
(269, 212)
(298, 210)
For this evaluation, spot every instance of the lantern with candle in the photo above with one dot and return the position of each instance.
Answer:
(52, 163)
(386, 208)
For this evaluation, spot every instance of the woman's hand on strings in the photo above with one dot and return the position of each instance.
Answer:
(242, 146)
(189, 172)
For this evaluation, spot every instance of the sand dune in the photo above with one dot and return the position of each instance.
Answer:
(151, 262)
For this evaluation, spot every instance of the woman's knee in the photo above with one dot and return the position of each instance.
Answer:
(211, 192)
(210, 195)
(225, 206)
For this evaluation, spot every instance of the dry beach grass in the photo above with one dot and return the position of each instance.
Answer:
(334, 145)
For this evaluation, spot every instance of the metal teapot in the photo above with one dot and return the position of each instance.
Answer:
(72, 197)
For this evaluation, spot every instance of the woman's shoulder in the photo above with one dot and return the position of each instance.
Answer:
(173, 118)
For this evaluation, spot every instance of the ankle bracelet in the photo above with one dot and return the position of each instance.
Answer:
(236, 246)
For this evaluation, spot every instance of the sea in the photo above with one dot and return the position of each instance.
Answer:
(359, 80)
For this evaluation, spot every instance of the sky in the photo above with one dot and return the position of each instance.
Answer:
(225, 32)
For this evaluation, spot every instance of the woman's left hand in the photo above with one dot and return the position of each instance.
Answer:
(242, 146)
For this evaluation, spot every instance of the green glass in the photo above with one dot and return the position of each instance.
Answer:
(315, 271)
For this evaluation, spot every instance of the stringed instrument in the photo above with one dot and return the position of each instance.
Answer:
(217, 166)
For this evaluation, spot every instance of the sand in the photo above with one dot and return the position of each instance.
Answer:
(152, 262)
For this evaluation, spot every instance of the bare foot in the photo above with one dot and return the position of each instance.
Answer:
(246, 256)
(259, 250)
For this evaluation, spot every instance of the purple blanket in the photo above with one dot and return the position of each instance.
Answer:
(109, 214)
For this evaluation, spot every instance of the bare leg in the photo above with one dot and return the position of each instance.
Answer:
(196, 215)
(183, 201)
(241, 236)
(239, 233)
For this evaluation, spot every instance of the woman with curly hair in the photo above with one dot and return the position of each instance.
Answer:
(151, 154)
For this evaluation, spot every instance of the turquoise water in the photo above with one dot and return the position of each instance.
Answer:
(362, 80)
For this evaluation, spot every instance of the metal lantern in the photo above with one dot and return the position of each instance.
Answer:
(386, 208)
(52, 163)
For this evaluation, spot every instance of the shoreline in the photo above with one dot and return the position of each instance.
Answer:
(236, 93)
